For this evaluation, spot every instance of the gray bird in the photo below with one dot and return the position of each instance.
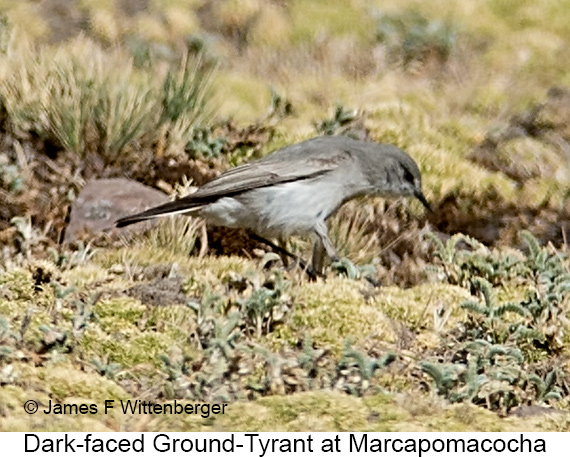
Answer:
(294, 190)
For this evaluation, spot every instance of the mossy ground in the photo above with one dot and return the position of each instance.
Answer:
(78, 328)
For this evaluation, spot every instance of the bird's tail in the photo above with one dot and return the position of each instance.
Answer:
(167, 209)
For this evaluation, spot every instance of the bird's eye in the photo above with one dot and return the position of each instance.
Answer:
(408, 176)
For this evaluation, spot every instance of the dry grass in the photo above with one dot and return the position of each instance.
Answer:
(88, 99)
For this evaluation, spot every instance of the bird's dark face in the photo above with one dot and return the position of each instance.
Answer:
(400, 176)
(412, 179)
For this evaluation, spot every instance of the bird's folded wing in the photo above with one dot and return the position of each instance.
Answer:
(262, 174)
(268, 171)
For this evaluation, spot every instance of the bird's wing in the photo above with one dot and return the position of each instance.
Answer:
(262, 173)
(268, 171)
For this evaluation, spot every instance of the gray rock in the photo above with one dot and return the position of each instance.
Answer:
(103, 201)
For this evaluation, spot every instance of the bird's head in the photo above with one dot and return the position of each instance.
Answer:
(396, 174)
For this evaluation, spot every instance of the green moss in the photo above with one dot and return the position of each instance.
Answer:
(176, 321)
(128, 350)
(17, 284)
(333, 311)
(84, 275)
(51, 423)
(416, 307)
(66, 381)
(330, 411)
(316, 411)
(118, 314)
(10, 308)
(337, 310)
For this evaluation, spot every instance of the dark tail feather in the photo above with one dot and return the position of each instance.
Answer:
(124, 221)
(175, 207)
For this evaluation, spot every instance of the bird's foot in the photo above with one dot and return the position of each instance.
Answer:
(307, 269)
(313, 274)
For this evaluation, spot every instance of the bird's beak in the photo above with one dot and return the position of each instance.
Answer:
(421, 197)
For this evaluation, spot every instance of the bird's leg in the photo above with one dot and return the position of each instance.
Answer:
(203, 241)
(323, 234)
(284, 258)
(282, 251)
(322, 246)
(319, 257)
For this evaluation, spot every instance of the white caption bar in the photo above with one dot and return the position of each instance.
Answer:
(286, 444)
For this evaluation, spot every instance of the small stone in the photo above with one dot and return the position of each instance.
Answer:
(101, 202)
(117, 269)
(7, 375)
